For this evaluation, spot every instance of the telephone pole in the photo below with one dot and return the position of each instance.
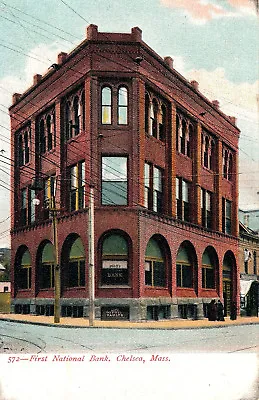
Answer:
(56, 262)
(91, 257)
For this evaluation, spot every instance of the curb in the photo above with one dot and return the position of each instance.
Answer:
(69, 326)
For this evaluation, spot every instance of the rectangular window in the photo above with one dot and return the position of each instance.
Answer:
(182, 199)
(208, 278)
(114, 180)
(226, 216)
(158, 190)
(77, 186)
(24, 204)
(184, 276)
(49, 192)
(153, 196)
(206, 208)
(255, 262)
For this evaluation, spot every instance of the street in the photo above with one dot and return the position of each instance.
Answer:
(25, 338)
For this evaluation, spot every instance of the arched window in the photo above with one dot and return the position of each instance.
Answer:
(23, 273)
(123, 106)
(76, 264)
(206, 152)
(106, 105)
(212, 156)
(82, 110)
(155, 266)
(76, 117)
(153, 116)
(183, 136)
(208, 270)
(42, 137)
(162, 123)
(26, 148)
(21, 152)
(49, 132)
(230, 167)
(68, 121)
(184, 268)
(178, 132)
(115, 268)
(47, 262)
(147, 109)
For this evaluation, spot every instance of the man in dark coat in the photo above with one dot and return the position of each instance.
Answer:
(212, 311)
(220, 311)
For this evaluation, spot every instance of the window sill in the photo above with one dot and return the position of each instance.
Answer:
(114, 287)
(151, 137)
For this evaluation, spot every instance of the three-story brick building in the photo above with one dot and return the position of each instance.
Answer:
(163, 161)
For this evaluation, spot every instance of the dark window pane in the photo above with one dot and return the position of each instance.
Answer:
(82, 273)
(159, 274)
(73, 274)
(187, 276)
(178, 275)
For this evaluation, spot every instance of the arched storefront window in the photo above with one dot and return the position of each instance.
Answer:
(23, 272)
(115, 268)
(184, 268)
(155, 266)
(47, 262)
(208, 270)
(76, 264)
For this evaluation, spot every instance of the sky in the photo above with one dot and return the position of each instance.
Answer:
(212, 41)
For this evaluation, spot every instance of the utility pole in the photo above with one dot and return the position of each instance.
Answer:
(56, 262)
(91, 257)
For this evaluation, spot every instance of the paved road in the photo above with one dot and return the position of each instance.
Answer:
(23, 338)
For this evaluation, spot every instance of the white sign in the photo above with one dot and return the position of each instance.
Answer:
(115, 264)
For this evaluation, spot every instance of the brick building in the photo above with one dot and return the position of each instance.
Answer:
(163, 163)
(249, 271)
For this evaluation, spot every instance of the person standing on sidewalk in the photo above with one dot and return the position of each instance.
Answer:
(212, 311)
(220, 311)
(233, 310)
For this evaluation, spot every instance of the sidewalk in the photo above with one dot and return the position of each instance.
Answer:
(165, 324)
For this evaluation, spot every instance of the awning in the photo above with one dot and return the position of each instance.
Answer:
(245, 286)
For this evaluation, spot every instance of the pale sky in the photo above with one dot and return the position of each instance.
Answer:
(212, 41)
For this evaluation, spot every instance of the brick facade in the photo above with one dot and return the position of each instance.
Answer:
(171, 192)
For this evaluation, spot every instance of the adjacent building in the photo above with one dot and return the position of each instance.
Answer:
(162, 159)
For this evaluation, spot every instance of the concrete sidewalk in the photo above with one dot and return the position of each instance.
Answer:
(165, 324)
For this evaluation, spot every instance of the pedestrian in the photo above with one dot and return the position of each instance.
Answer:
(233, 310)
(220, 311)
(212, 311)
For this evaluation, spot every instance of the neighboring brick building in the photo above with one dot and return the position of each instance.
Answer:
(163, 162)
(249, 271)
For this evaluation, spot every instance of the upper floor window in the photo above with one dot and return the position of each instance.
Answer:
(184, 134)
(74, 110)
(114, 105)
(77, 186)
(208, 151)
(27, 210)
(24, 147)
(182, 199)
(49, 192)
(153, 192)
(155, 117)
(123, 106)
(206, 208)
(226, 216)
(114, 180)
(227, 163)
(46, 131)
